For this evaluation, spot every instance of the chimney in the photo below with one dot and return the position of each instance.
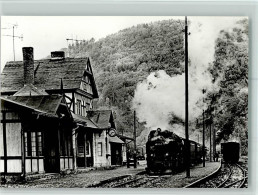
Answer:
(28, 64)
(57, 55)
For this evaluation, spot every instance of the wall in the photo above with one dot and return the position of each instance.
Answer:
(87, 102)
(12, 128)
(66, 163)
(124, 153)
(103, 160)
(13, 140)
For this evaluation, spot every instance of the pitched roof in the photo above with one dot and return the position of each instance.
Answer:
(48, 74)
(103, 118)
(124, 137)
(30, 90)
(116, 140)
(44, 104)
(84, 120)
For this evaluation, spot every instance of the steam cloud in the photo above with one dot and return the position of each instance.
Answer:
(160, 96)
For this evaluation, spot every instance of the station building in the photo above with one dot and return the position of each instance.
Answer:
(48, 123)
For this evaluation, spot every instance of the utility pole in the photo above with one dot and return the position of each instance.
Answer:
(186, 102)
(203, 134)
(13, 46)
(213, 129)
(214, 140)
(210, 135)
(134, 136)
(13, 36)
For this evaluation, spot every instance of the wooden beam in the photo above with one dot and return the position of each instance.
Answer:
(67, 148)
(4, 142)
(58, 145)
(11, 157)
(73, 102)
(23, 152)
(11, 121)
(66, 96)
(37, 146)
(85, 94)
(85, 158)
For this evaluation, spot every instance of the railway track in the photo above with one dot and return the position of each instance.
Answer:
(127, 181)
(231, 176)
(134, 183)
(236, 179)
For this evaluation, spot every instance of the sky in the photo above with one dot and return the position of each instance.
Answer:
(49, 33)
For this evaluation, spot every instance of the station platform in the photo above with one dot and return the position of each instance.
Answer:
(93, 177)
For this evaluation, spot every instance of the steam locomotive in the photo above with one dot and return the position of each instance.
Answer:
(166, 152)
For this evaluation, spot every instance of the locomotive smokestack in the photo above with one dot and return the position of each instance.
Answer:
(28, 64)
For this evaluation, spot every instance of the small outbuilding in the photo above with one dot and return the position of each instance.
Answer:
(36, 135)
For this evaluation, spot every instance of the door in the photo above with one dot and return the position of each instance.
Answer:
(116, 154)
(51, 151)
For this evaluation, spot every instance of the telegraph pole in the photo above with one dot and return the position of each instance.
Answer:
(134, 136)
(13, 46)
(186, 102)
(214, 140)
(203, 134)
(213, 129)
(210, 135)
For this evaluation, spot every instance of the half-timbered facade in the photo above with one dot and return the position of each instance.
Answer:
(73, 79)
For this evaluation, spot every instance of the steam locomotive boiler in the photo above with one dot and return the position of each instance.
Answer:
(166, 152)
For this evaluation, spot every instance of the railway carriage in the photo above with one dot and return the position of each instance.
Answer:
(230, 152)
(199, 153)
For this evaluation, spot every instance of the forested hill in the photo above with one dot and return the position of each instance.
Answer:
(123, 59)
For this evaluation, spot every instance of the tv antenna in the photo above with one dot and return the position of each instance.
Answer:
(13, 36)
(71, 39)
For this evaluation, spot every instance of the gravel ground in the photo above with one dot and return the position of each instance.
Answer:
(180, 180)
(80, 180)
(83, 180)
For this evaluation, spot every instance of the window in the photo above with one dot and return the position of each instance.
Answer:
(79, 107)
(33, 143)
(83, 108)
(88, 153)
(80, 150)
(26, 143)
(99, 149)
(39, 146)
(88, 104)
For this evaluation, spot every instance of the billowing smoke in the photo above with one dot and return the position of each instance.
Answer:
(160, 97)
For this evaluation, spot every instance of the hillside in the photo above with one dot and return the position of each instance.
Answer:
(124, 59)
